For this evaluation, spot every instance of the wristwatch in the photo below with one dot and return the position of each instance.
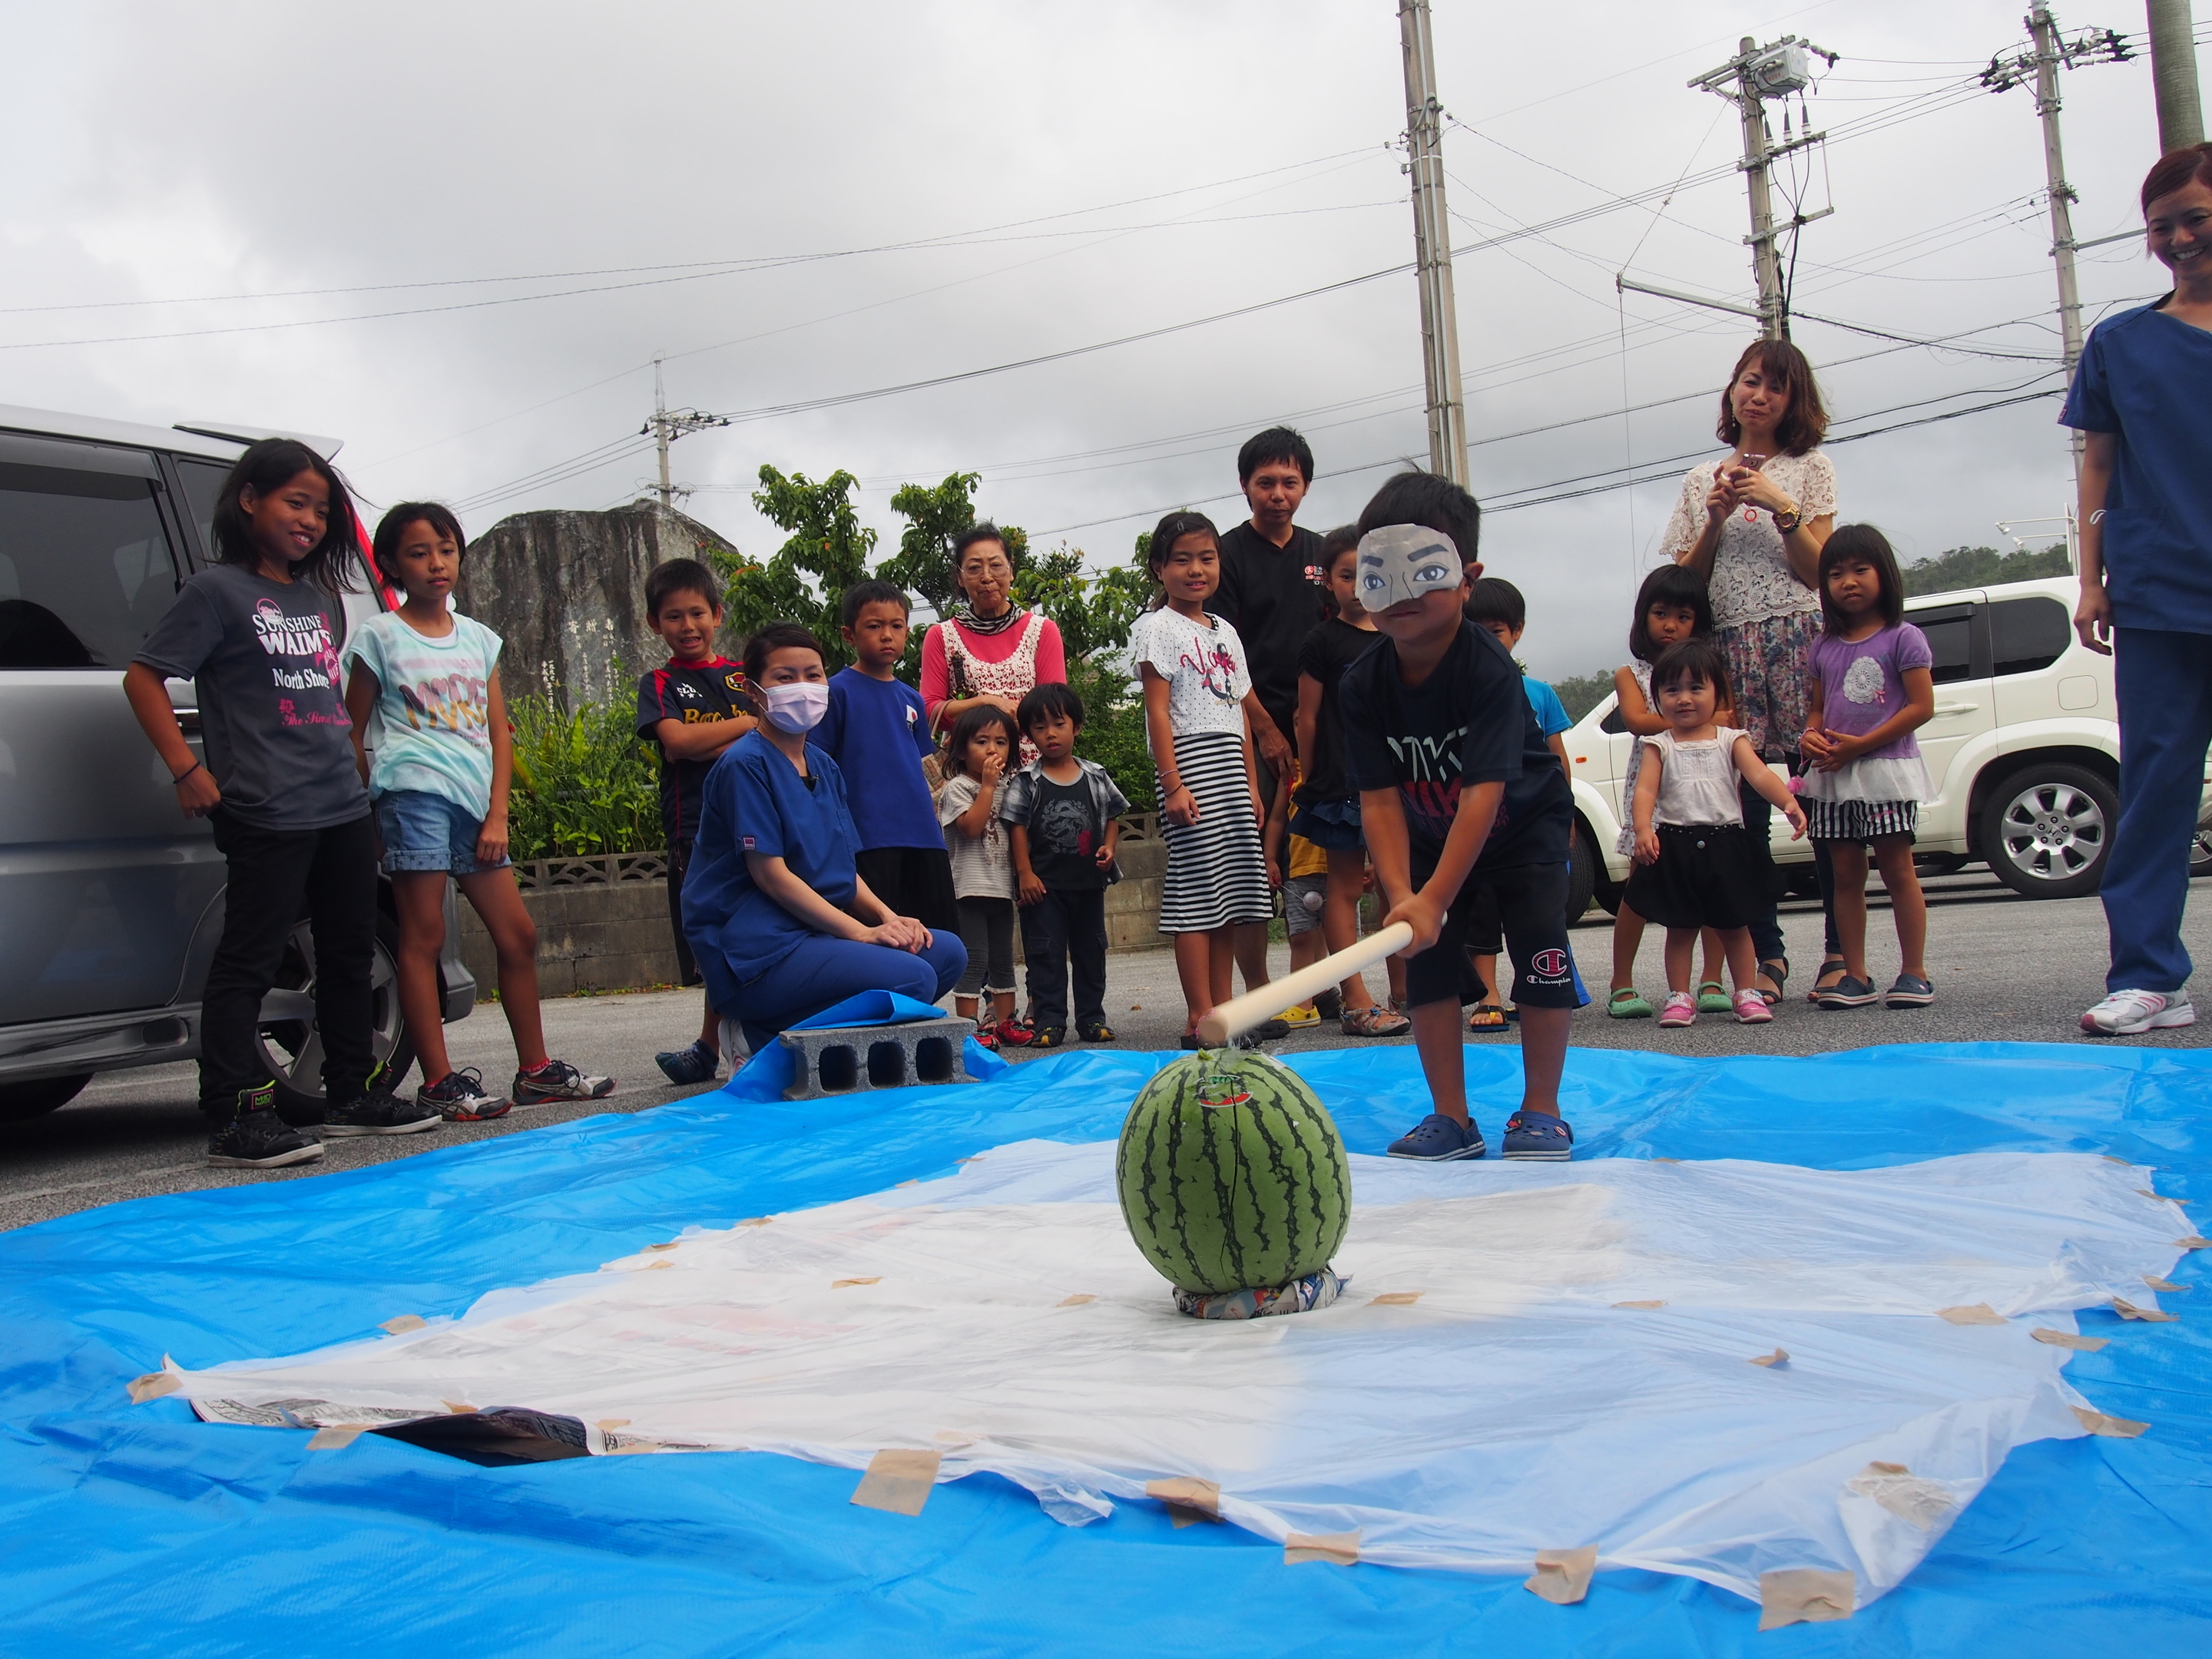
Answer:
(1786, 522)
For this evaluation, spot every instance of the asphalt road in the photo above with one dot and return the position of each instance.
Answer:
(2005, 969)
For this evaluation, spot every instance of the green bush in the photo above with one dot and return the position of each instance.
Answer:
(1114, 730)
(584, 785)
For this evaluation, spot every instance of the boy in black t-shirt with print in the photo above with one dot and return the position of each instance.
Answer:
(1063, 818)
(691, 710)
(1458, 795)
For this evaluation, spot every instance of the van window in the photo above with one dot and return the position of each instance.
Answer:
(1950, 631)
(1615, 722)
(85, 569)
(2028, 634)
(202, 482)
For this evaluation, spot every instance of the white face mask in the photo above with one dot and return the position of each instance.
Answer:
(797, 708)
(1401, 562)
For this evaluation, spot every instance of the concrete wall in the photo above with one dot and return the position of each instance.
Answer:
(603, 923)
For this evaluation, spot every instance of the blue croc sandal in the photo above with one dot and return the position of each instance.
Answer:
(1439, 1140)
(1539, 1136)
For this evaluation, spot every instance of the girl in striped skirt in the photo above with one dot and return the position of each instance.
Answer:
(1196, 682)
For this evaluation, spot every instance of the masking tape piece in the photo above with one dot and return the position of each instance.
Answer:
(1804, 1595)
(1338, 1549)
(1563, 1577)
(1884, 1469)
(2165, 1284)
(1665, 1160)
(612, 1423)
(153, 1386)
(2194, 1241)
(841, 1284)
(663, 1263)
(898, 1481)
(1182, 1517)
(2068, 1339)
(1979, 1313)
(404, 1323)
(335, 1437)
(974, 1158)
(670, 1245)
(1923, 1503)
(1779, 1356)
(756, 1221)
(1639, 1305)
(1188, 1492)
(632, 1449)
(1396, 1299)
(1077, 1300)
(2117, 1428)
(458, 1408)
(910, 1183)
(2122, 1162)
(2127, 1309)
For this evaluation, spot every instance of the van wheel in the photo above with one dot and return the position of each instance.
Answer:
(2047, 831)
(1582, 873)
(19, 1101)
(2200, 850)
(292, 1048)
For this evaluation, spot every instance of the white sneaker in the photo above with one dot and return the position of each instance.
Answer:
(2127, 1014)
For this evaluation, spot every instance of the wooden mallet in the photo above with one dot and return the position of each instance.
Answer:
(1225, 1024)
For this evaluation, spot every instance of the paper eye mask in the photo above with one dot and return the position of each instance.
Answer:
(1401, 562)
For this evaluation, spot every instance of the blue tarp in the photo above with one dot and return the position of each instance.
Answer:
(138, 1530)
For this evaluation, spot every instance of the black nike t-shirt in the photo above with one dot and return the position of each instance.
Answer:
(1469, 722)
(1326, 652)
(714, 689)
(1272, 596)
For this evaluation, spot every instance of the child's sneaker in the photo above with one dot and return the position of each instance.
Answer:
(459, 1098)
(1440, 1140)
(1751, 1009)
(1680, 1009)
(255, 1138)
(380, 1112)
(1017, 1033)
(2127, 1013)
(1094, 1030)
(556, 1080)
(700, 1062)
(1539, 1137)
(987, 1036)
(1047, 1036)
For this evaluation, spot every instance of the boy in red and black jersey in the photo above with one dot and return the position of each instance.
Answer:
(691, 709)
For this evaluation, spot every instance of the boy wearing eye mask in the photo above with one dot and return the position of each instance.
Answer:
(1459, 798)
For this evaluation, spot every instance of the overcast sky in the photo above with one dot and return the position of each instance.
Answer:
(457, 234)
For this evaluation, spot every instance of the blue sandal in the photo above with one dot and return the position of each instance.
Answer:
(1539, 1137)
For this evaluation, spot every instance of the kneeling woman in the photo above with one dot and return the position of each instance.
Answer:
(779, 920)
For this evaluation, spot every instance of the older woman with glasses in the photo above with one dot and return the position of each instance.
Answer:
(991, 651)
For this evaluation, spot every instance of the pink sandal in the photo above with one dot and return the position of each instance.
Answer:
(1751, 1009)
(1680, 1009)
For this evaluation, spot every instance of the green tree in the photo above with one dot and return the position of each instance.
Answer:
(1094, 613)
(828, 552)
(934, 515)
(1580, 693)
(1979, 567)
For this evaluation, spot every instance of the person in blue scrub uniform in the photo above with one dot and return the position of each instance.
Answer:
(778, 917)
(2139, 398)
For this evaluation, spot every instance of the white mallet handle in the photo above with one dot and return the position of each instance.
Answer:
(1239, 1014)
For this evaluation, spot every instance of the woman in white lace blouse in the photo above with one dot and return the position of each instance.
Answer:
(1753, 524)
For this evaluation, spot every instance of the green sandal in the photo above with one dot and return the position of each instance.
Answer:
(1627, 1003)
(1713, 998)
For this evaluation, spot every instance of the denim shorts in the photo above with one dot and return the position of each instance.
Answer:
(423, 832)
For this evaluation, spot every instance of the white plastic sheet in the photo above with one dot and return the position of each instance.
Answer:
(1499, 1400)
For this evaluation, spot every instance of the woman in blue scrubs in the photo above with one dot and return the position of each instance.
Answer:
(779, 919)
(2139, 398)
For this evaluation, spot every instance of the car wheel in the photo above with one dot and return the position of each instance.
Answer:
(2047, 831)
(1582, 873)
(19, 1101)
(291, 1047)
(2200, 850)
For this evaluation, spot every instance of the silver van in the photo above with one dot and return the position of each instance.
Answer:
(111, 899)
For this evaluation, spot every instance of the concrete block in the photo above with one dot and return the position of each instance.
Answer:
(840, 1059)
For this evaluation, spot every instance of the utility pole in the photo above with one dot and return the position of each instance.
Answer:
(666, 426)
(2048, 55)
(1424, 163)
(1755, 74)
(2173, 75)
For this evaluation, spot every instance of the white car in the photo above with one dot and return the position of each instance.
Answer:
(2024, 753)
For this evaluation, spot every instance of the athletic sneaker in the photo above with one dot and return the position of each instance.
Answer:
(1539, 1137)
(1440, 1140)
(1751, 1009)
(459, 1098)
(1910, 991)
(257, 1139)
(2129, 1013)
(556, 1079)
(378, 1112)
(1680, 1009)
(699, 1063)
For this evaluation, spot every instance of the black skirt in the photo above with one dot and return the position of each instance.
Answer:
(1709, 875)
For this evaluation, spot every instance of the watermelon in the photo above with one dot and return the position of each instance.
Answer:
(1232, 1175)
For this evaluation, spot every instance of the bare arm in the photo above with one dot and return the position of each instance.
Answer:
(698, 740)
(1273, 746)
(1635, 712)
(1308, 722)
(197, 792)
(492, 839)
(1176, 802)
(2092, 616)
(976, 819)
(1919, 708)
(775, 877)
(1762, 778)
(361, 689)
(1027, 890)
(1424, 910)
(1645, 803)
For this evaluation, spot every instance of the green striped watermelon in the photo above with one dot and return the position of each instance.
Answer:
(1232, 1175)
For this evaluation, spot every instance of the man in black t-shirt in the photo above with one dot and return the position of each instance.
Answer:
(1458, 794)
(1271, 594)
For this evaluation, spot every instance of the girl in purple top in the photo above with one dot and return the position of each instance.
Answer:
(1872, 688)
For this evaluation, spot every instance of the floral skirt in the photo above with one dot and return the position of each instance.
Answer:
(1769, 669)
